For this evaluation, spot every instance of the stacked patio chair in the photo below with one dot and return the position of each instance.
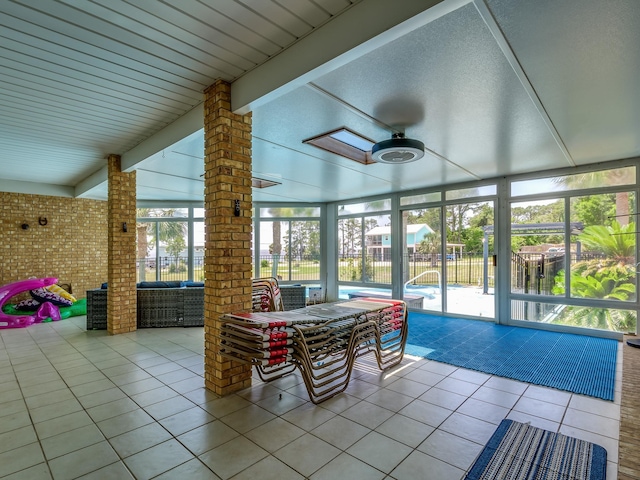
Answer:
(321, 341)
(266, 295)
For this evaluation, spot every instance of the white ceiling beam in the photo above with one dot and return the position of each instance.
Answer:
(33, 188)
(510, 56)
(361, 29)
(190, 122)
(85, 186)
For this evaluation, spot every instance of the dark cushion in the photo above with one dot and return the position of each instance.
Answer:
(171, 284)
(104, 286)
(193, 284)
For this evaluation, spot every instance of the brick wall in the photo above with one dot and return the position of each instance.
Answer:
(72, 246)
(227, 236)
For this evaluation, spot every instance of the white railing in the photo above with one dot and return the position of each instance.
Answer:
(437, 272)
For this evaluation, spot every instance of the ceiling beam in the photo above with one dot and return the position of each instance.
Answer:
(17, 186)
(503, 44)
(190, 122)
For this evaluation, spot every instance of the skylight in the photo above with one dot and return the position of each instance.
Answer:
(346, 143)
(352, 139)
(261, 183)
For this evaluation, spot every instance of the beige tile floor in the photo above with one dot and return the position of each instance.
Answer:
(78, 404)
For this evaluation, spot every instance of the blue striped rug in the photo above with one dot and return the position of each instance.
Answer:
(575, 363)
(518, 451)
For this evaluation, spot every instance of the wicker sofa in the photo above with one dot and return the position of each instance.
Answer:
(178, 306)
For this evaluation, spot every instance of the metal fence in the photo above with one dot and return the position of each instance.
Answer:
(535, 273)
(530, 272)
(170, 269)
(419, 269)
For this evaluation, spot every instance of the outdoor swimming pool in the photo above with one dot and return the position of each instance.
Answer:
(460, 300)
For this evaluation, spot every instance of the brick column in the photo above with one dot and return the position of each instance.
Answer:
(121, 269)
(227, 259)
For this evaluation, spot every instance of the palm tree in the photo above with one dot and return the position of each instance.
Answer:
(611, 278)
(616, 242)
(430, 244)
(615, 176)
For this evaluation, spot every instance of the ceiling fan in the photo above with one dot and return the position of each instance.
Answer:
(397, 150)
(398, 112)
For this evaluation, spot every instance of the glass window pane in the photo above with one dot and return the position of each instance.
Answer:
(365, 207)
(162, 212)
(290, 250)
(421, 198)
(349, 249)
(468, 260)
(198, 212)
(364, 246)
(537, 246)
(617, 320)
(173, 254)
(422, 256)
(288, 212)
(484, 191)
(603, 261)
(198, 251)
(598, 179)
(145, 245)
(271, 241)
(302, 247)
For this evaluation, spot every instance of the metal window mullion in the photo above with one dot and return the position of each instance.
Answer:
(289, 263)
(257, 224)
(567, 251)
(190, 244)
(363, 249)
(157, 247)
(443, 252)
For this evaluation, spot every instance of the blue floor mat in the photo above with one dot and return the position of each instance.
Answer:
(575, 363)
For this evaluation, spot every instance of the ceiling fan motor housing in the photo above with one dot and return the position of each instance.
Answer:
(397, 150)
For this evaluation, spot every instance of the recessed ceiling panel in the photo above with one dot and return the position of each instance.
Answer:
(449, 84)
(156, 186)
(584, 62)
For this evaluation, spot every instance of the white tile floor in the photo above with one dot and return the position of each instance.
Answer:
(77, 404)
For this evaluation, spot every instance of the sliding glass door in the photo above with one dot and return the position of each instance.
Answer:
(448, 251)
(422, 259)
(469, 253)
